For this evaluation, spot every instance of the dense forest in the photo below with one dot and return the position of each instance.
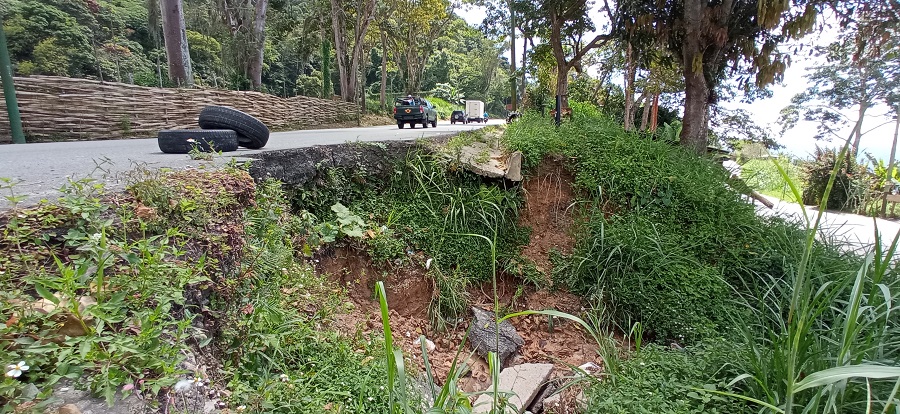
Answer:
(123, 41)
(651, 65)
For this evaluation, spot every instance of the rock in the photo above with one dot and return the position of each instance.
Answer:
(30, 392)
(538, 404)
(514, 166)
(483, 336)
(552, 402)
(68, 409)
(81, 402)
(524, 382)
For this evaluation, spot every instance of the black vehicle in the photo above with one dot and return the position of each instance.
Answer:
(458, 116)
(415, 111)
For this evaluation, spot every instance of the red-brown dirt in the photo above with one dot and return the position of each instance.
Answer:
(548, 211)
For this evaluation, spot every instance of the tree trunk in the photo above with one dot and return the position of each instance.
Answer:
(562, 86)
(524, 57)
(646, 116)
(514, 101)
(384, 70)
(327, 88)
(562, 66)
(696, 99)
(854, 149)
(259, 38)
(348, 58)
(889, 184)
(177, 53)
(630, 74)
(340, 48)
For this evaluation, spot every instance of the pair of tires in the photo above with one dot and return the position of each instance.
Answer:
(223, 129)
(412, 125)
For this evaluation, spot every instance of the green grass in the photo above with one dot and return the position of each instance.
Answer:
(798, 325)
(444, 108)
(763, 176)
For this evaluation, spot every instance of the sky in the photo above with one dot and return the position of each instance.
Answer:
(799, 141)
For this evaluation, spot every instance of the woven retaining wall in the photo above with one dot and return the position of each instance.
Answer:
(57, 108)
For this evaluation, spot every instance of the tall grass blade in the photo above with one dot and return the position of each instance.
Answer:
(388, 342)
(423, 342)
(400, 367)
(832, 375)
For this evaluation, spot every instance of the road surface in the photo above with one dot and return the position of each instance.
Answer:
(39, 170)
(851, 232)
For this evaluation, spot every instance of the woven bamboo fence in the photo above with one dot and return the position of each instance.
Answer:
(58, 108)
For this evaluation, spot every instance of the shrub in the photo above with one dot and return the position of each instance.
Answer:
(763, 176)
(675, 247)
(444, 108)
(816, 174)
(660, 380)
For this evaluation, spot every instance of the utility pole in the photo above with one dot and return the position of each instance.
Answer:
(513, 100)
(9, 91)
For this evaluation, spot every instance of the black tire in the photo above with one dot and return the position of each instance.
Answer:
(434, 123)
(182, 141)
(400, 124)
(251, 132)
(425, 123)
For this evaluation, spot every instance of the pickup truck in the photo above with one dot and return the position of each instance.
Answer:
(414, 111)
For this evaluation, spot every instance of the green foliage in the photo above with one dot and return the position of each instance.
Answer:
(278, 358)
(676, 248)
(310, 85)
(661, 380)
(816, 174)
(762, 175)
(443, 108)
(51, 58)
(117, 295)
(828, 328)
(206, 57)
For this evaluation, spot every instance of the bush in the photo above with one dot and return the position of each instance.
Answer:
(817, 173)
(444, 108)
(763, 176)
(675, 247)
(660, 380)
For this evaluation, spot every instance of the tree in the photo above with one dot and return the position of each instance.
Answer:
(568, 21)
(349, 50)
(255, 66)
(715, 40)
(855, 75)
(177, 52)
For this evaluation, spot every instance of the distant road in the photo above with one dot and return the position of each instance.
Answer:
(41, 169)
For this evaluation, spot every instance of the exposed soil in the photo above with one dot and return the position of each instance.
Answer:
(410, 289)
(548, 211)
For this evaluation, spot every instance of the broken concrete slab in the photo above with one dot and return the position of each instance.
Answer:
(523, 382)
(483, 336)
(482, 159)
(514, 166)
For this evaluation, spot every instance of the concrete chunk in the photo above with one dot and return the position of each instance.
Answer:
(514, 167)
(523, 381)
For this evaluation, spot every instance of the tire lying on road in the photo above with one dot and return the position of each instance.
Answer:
(182, 141)
(251, 132)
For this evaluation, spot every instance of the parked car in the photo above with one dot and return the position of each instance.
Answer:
(414, 110)
(458, 116)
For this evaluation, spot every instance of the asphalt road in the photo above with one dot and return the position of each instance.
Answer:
(39, 170)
